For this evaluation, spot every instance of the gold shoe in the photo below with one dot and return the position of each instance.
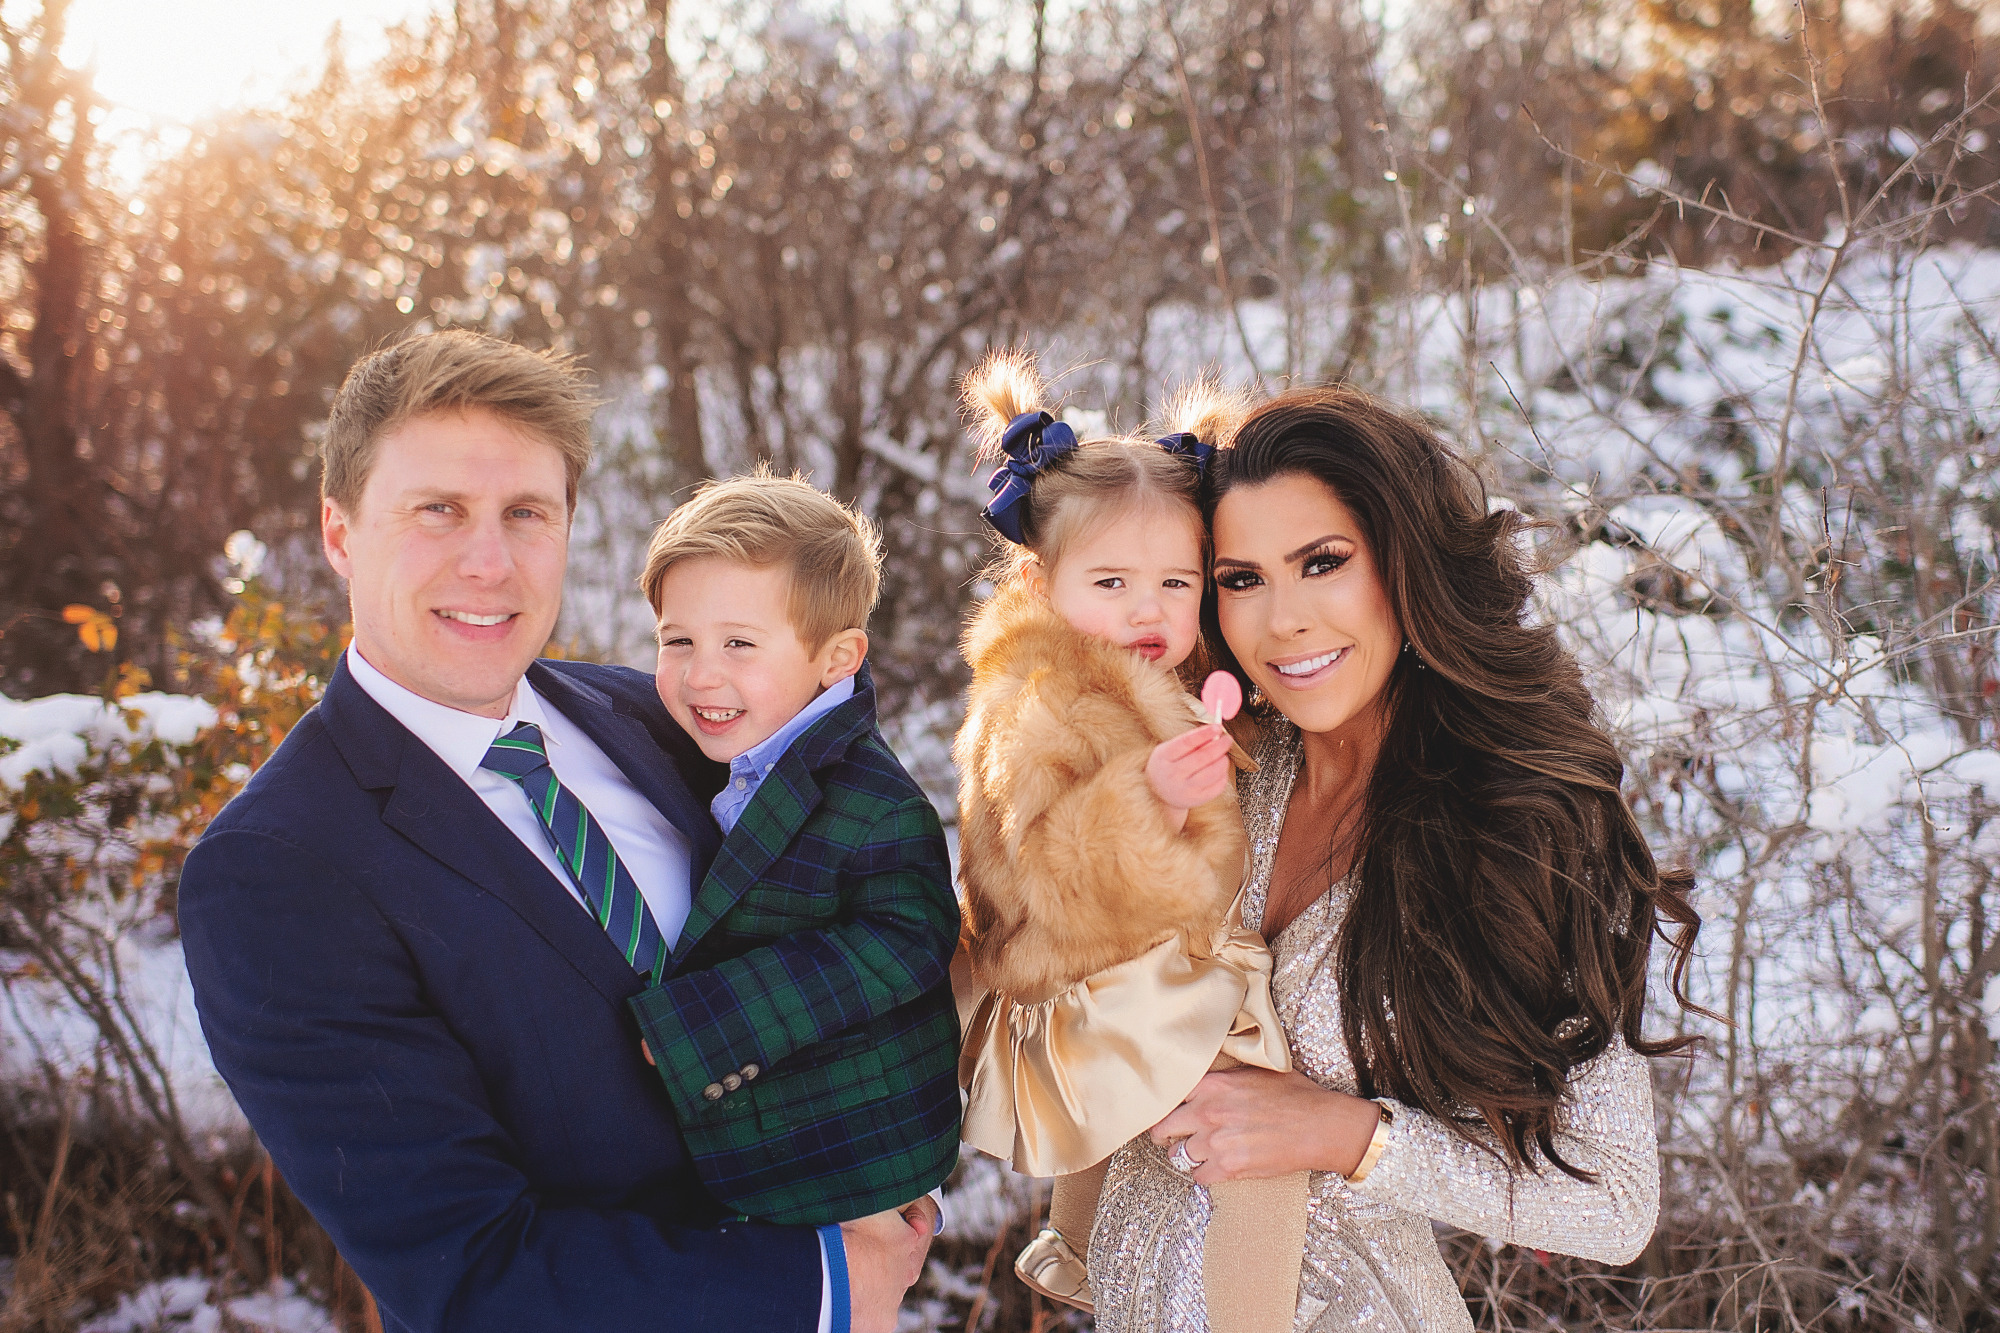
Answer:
(1048, 1265)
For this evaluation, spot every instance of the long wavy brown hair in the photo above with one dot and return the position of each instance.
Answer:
(1506, 901)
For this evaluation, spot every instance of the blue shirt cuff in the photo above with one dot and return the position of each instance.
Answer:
(835, 1304)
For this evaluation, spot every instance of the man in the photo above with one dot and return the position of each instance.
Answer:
(399, 975)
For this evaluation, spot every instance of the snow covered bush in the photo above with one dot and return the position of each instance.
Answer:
(126, 1157)
(1785, 508)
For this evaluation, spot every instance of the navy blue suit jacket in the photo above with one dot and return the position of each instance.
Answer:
(431, 1036)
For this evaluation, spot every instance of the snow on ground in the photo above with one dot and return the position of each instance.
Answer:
(189, 1305)
(42, 1031)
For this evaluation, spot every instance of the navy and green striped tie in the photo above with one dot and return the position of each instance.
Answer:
(582, 847)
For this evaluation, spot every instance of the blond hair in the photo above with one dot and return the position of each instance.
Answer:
(1098, 475)
(545, 394)
(835, 553)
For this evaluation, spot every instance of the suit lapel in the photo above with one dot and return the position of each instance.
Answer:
(777, 812)
(629, 743)
(783, 803)
(438, 812)
(432, 807)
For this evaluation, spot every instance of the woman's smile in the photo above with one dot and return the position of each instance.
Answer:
(1301, 604)
(1305, 672)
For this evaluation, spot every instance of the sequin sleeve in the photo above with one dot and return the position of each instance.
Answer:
(1604, 1125)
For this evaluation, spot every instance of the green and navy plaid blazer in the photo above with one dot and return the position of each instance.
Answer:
(806, 1030)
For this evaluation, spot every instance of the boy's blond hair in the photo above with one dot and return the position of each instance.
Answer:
(835, 554)
(543, 393)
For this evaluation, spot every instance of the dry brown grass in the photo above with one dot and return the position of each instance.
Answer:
(93, 1210)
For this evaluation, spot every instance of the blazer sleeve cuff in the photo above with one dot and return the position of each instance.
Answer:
(697, 1060)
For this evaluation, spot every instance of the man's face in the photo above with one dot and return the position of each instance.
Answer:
(454, 556)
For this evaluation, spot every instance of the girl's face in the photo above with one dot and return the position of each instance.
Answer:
(1301, 603)
(1134, 579)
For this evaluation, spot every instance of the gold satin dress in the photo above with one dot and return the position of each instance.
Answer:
(1371, 1258)
(1058, 1086)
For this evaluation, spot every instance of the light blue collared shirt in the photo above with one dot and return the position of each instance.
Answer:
(748, 770)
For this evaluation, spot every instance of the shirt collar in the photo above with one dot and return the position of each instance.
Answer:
(459, 738)
(759, 759)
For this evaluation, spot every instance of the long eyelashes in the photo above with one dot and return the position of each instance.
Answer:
(1324, 561)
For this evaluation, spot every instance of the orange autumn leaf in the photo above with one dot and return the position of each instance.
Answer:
(97, 630)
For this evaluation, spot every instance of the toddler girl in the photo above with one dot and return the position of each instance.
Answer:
(1101, 851)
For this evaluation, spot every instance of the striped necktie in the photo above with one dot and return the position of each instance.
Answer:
(582, 847)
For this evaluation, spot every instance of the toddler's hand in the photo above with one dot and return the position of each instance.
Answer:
(1189, 770)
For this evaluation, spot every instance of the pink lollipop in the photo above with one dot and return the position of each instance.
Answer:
(1221, 696)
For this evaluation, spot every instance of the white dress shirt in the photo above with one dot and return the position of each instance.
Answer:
(653, 850)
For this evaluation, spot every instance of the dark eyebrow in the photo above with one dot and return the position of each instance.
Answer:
(1291, 558)
(1314, 545)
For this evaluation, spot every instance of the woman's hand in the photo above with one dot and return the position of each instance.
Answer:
(1252, 1123)
(1191, 769)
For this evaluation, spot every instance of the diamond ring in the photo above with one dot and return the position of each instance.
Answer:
(1180, 1161)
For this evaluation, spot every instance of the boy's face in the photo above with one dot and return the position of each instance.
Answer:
(732, 668)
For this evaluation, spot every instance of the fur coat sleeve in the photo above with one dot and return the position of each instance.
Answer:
(1067, 858)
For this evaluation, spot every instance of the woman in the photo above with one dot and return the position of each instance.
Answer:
(1460, 903)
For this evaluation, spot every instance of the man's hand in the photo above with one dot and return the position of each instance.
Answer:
(885, 1257)
(1191, 769)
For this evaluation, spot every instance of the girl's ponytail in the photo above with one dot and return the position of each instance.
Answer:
(1048, 483)
(1204, 409)
(1002, 387)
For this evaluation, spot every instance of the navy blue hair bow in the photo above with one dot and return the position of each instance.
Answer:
(1031, 442)
(1181, 444)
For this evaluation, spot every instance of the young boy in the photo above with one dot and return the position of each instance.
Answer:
(805, 1029)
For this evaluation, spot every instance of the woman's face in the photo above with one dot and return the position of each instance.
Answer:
(1301, 602)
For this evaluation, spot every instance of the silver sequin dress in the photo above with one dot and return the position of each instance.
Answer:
(1372, 1260)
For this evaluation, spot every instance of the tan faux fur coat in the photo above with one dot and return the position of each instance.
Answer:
(1067, 858)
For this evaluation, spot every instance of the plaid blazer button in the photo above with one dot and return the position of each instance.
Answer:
(732, 1082)
(713, 1092)
(751, 1071)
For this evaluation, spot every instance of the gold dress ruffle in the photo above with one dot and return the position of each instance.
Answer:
(1059, 1085)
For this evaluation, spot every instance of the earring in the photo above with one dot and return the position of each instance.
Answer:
(1408, 649)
